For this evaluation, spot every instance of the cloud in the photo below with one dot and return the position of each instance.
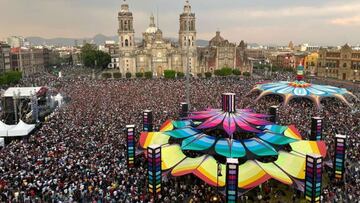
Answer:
(296, 11)
(350, 21)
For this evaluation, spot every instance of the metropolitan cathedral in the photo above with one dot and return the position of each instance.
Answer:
(157, 54)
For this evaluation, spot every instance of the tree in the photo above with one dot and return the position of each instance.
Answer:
(128, 75)
(223, 72)
(106, 75)
(94, 58)
(199, 75)
(148, 75)
(169, 74)
(11, 77)
(247, 74)
(139, 74)
(208, 74)
(117, 75)
(236, 72)
(180, 75)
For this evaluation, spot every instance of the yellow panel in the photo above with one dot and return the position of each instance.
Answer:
(167, 126)
(292, 164)
(171, 155)
(309, 147)
(150, 138)
(207, 171)
(187, 166)
(275, 172)
(251, 175)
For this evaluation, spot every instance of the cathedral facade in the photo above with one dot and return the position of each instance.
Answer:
(156, 54)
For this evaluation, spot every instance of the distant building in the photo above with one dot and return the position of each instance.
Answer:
(4, 57)
(343, 64)
(221, 53)
(156, 54)
(16, 41)
(310, 63)
(112, 48)
(30, 60)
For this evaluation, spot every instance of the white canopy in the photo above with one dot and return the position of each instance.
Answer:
(4, 129)
(59, 98)
(21, 129)
(2, 142)
(24, 91)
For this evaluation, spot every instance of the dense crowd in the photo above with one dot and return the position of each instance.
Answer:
(79, 154)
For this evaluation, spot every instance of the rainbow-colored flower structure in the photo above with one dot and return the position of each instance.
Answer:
(299, 88)
(264, 150)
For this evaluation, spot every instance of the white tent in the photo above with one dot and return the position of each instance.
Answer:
(59, 98)
(21, 129)
(2, 142)
(4, 129)
(23, 91)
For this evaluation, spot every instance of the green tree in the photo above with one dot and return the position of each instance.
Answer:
(106, 75)
(128, 75)
(236, 72)
(148, 75)
(169, 74)
(180, 75)
(117, 75)
(11, 77)
(199, 75)
(208, 74)
(94, 58)
(223, 72)
(139, 74)
(247, 74)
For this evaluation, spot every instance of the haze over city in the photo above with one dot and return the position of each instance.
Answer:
(259, 21)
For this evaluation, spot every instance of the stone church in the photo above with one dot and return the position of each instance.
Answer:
(156, 54)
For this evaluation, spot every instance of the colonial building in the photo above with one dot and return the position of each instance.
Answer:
(221, 53)
(343, 64)
(156, 54)
(4, 57)
(310, 63)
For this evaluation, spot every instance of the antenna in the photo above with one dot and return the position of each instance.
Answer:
(157, 17)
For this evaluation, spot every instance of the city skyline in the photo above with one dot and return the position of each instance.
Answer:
(259, 21)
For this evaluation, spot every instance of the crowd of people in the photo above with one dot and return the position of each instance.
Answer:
(79, 153)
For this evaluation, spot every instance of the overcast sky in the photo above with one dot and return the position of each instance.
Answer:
(324, 22)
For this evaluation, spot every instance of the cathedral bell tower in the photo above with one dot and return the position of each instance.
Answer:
(187, 37)
(126, 40)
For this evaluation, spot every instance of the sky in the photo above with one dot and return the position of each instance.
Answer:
(317, 22)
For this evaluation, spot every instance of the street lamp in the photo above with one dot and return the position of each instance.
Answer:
(327, 70)
(16, 96)
(187, 62)
(217, 177)
(355, 75)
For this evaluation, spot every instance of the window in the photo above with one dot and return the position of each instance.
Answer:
(126, 42)
(344, 65)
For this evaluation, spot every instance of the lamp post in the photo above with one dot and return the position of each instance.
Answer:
(355, 75)
(187, 63)
(327, 70)
(16, 96)
(217, 177)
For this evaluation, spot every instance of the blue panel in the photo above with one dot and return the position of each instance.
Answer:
(198, 143)
(181, 124)
(182, 133)
(259, 148)
(276, 138)
(276, 128)
(223, 148)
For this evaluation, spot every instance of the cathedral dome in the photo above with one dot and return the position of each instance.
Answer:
(152, 29)
(216, 40)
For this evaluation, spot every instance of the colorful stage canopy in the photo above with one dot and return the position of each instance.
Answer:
(283, 145)
(299, 88)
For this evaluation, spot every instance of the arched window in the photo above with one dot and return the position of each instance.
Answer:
(126, 42)
(344, 65)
